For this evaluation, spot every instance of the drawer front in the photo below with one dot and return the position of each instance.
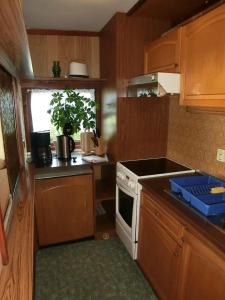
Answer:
(170, 224)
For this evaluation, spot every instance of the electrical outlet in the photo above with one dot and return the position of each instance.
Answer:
(220, 155)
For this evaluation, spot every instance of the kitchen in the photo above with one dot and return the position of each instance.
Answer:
(187, 128)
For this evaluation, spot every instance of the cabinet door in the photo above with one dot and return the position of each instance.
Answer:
(163, 54)
(64, 209)
(158, 256)
(202, 272)
(203, 60)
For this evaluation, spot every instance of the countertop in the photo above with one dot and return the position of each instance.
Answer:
(159, 187)
(59, 168)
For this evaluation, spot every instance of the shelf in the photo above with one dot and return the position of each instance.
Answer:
(105, 190)
(41, 82)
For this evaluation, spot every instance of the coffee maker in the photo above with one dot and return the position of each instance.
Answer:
(40, 148)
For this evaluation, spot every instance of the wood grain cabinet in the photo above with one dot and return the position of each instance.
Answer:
(64, 209)
(158, 252)
(202, 271)
(203, 60)
(163, 54)
(179, 264)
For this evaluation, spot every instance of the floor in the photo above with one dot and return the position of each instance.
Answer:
(89, 270)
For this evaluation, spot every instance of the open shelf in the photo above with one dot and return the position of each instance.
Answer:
(105, 195)
(105, 223)
(105, 190)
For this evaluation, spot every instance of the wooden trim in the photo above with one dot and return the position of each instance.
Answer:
(208, 110)
(61, 83)
(14, 47)
(135, 7)
(27, 116)
(3, 245)
(62, 32)
(16, 279)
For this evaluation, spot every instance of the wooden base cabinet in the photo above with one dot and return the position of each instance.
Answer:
(202, 271)
(64, 209)
(158, 255)
(179, 265)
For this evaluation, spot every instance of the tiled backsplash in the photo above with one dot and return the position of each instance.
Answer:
(193, 138)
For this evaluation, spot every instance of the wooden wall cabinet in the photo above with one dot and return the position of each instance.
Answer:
(203, 60)
(202, 271)
(158, 252)
(64, 209)
(163, 54)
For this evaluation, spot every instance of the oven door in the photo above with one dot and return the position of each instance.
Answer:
(126, 217)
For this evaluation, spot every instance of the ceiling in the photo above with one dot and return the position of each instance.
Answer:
(174, 11)
(81, 15)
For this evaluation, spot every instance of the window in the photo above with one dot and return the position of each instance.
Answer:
(41, 120)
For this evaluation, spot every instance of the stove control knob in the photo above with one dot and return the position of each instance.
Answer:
(121, 175)
(131, 184)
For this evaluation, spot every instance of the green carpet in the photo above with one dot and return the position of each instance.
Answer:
(89, 270)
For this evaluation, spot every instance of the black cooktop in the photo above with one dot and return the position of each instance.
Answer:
(153, 166)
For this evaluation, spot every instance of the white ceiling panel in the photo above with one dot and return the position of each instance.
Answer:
(84, 15)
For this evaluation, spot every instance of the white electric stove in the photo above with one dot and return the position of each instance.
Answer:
(128, 192)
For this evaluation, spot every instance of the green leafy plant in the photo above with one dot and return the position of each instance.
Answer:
(68, 106)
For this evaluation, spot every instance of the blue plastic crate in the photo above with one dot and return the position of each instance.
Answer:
(196, 191)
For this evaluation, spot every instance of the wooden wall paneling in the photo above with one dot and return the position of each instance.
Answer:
(52, 53)
(122, 56)
(47, 48)
(142, 127)
(109, 66)
(38, 48)
(14, 49)
(94, 57)
(66, 47)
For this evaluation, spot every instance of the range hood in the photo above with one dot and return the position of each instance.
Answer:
(155, 84)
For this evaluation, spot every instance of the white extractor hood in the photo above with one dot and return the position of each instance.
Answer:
(155, 84)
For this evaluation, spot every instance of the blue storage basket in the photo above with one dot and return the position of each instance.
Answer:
(196, 191)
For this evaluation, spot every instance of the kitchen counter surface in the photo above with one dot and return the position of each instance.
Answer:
(59, 168)
(159, 187)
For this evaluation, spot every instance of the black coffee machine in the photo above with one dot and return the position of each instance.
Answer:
(40, 148)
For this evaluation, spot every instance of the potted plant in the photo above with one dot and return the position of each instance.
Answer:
(70, 108)
(70, 112)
